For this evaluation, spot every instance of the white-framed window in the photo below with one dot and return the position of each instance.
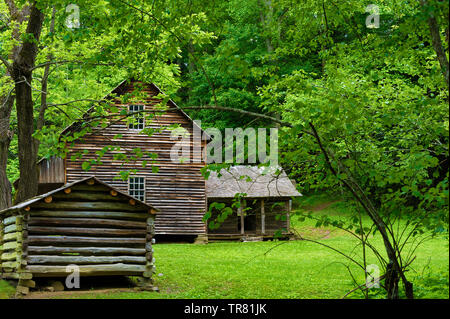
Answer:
(136, 187)
(137, 120)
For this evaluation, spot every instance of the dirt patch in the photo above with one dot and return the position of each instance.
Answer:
(74, 293)
(321, 233)
(89, 285)
(316, 233)
(320, 206)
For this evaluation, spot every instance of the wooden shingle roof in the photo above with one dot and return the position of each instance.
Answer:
(262, 182)
(35, 199)
(119, 90)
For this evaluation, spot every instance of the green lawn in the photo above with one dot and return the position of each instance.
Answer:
(6, 290)
(294, 269)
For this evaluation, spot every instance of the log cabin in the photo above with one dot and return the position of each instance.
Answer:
(265, 209)
(88, 223)
(177, 189)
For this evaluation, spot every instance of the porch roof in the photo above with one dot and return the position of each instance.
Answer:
(256, 182)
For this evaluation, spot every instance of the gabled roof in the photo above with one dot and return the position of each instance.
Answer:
(262, 182)
(42, 196)
(119, 89)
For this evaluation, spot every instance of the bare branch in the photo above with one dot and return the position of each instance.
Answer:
(13, 11)
(6, 63)
(45, 64)
(361, 286)
(180, 39)
(44, 84)
(75, 101)
(437, 42)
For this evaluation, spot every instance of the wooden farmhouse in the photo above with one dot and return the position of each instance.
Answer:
(102, 230)
(177, 189)
(264, 211)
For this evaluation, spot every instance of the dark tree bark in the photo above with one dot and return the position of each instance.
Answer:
(391, 282)
(22, 75)
(41, 118)
(17, 17)
(6, 103)
(394, 271)
(436, 40)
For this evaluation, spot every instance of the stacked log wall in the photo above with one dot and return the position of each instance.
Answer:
(100, 233)
(10, 240)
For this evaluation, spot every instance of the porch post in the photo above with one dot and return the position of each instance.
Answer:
(288, 215)
(241, 212)
(263, 218)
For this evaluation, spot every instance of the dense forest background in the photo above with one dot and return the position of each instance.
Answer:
(281, 58)
(359, 93)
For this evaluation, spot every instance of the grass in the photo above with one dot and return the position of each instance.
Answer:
(279, 269)
(6, 290)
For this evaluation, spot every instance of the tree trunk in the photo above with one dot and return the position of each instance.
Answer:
(6, 103)
(28, 183)
(22, 75)
(437, 42)
(266, 16)
(44, 86)
(394, 271)
(391, 281)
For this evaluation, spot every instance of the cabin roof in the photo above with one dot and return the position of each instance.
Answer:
(119, 90)
(256, 182)
(68, 185)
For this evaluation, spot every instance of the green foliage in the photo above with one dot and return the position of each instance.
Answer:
(380, 105)
(376, 96)
(432, 285)
(114, 42)
(223, 212)
(6, 290)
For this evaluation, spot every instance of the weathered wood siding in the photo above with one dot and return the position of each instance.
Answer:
(101, 233)
(274, 210)
(87, 225)
(275, 219)
(51, 171)
(229, 225)
(177, 189)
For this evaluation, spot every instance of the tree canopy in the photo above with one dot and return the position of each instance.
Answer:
(359, 93)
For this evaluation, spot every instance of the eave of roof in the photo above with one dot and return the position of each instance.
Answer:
(68, 185)
(117, 90)
(262, 184)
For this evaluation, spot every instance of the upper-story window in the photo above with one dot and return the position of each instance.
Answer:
(136, 187)
(137, 120)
